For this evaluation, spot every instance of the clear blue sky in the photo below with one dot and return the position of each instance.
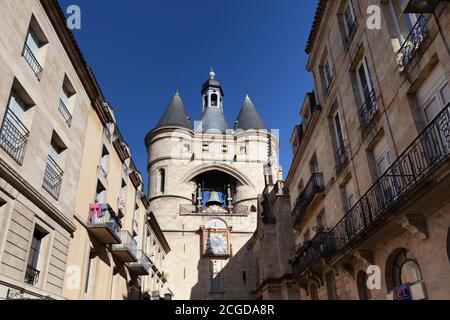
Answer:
(142, 50)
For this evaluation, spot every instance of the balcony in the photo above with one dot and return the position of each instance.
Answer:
(65, 112)
(425, 155)
(190, 209)
(314, 188)
(33, 62)
(412, 43)
(32, 276)
(142, 264)
(14, 137)
(343, 156)
(126, 249)
(368, 111)
(104, 224)
(53, 178)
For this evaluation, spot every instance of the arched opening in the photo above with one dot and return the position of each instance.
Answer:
(402, 269)
(253, 208)
(214, 100)
(206, 101)
(216, 191)
(361, 282)
(162, 180)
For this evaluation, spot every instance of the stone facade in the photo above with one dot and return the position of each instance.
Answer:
(62, 154)
(370, 177)
(182, 160)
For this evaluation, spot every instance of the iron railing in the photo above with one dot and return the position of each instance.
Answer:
(430, 149)
(53, 178)
(106, 216)
(126, 241)
(33, 62)
(368, 110)
(32, 275)
(186, 209)
(14, 136)
(415, 38)
(65, 112)
(343, 155)
(314, 187)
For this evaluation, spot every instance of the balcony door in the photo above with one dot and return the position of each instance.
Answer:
(404, 23)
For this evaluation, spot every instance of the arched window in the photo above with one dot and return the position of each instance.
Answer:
(252, 208)
(206, 101)
(363, 291)
(214, 100)
(402, 268)
(162, 180)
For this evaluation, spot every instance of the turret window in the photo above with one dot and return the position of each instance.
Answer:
(214, 100)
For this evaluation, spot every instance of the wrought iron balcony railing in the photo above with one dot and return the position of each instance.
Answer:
(415, 38)
(368, 110)
(32, 276)
(14, 136)
(33, 62)
(65, 112)
(314, 187)
(187, 209)
(142, 264)
(343, 155)
(427, 152)
(53, 178)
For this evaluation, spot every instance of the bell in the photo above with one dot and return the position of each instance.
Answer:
(214, 199)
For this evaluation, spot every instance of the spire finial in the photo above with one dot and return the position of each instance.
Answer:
(212, 74)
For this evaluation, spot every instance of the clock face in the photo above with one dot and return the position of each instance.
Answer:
(217, 244)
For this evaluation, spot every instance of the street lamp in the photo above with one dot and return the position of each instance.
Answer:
(421, 6)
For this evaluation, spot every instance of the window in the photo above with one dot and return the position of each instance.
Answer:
(404, 23)
(366, 93)
(65, 101)
(363, 291)
(162, 180)
(214, 100)
(14, 133)
(349, 20)
(321, 222)
(216, 282)
(243, 149)
(104, 163)
(32, 272)
(33, 48)
(331, 286)
(100, 196)
(314, 165)
(434, 94)
(402, 269)
(327, 75)
(224, 148)
(338, 131)
(53, 173)
(350, 198)
(382, 157)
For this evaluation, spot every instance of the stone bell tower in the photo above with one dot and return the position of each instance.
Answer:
(204, 181)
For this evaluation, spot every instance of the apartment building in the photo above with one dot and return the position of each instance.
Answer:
(369, 183)
(74, 219)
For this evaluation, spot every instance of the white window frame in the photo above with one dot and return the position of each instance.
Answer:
(349, 6)
(365, 65)
(337, 117)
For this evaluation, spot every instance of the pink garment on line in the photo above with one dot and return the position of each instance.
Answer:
(93, 209)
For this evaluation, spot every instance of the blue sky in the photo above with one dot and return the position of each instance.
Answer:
(141, 51)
